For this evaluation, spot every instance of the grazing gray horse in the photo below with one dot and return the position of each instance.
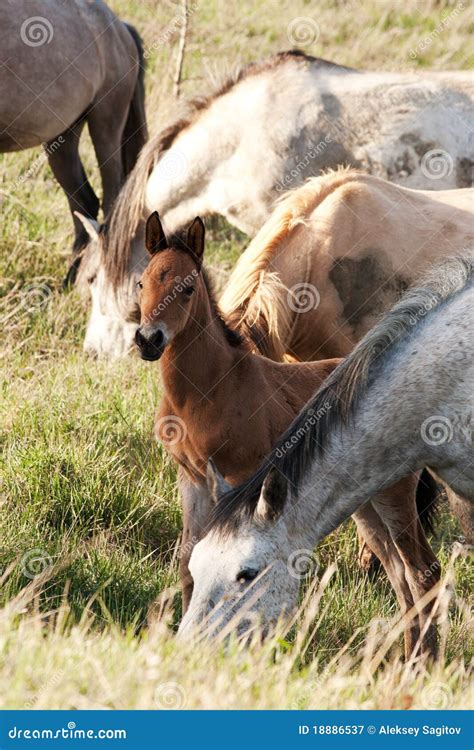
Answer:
(402, 400)
(297, 116)
(64, 64)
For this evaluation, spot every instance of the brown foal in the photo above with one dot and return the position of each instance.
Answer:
(226, 402)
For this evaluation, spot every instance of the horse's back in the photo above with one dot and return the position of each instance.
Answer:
(419, 227)
(56, 58)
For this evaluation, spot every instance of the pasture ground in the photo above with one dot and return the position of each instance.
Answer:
(89, 500)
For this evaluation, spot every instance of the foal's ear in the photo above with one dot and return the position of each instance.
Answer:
(216, 483)
(155, 239)
(195, 238)
(272, 496)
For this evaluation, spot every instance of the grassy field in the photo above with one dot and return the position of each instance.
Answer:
(90, 518)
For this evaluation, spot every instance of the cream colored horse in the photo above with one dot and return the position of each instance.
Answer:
(334, 255)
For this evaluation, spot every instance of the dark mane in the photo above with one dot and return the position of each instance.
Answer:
(122, 223)
(233, 336)
(337, 399)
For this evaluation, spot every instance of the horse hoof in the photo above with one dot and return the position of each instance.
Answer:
(369, 563)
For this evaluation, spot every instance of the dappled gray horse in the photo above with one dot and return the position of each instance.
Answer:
(261, 133)
(64, 64)
(402, 400)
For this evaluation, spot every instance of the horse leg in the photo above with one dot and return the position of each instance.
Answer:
(463, 510)
(196, 507)
(106, 122)
(66, 165)
(397, 508)
(374, 532)
(368, 562)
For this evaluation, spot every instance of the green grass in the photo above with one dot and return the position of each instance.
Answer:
(89, 500)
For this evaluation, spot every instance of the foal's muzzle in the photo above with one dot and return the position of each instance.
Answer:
(151, 343)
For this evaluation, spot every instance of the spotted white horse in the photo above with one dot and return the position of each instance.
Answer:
(265, 131)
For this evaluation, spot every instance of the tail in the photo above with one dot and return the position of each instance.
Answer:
(428, 494)
(135, 133)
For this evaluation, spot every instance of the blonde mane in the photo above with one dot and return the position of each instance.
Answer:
(255, 297)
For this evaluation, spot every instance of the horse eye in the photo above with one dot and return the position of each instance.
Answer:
(91, 279)
(139, 285)
(188, 291)
(246, 575)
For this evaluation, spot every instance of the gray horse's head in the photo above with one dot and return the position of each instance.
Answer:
(242, 579)
(115, 314)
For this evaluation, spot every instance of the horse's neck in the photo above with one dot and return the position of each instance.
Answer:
(363, 455)
(192, 179)
(198, 357)
(232, 178)
(338, 482)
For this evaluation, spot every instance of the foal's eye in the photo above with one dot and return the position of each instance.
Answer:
(246, 575)
(188, 291)
(139, 285)
(91, 279)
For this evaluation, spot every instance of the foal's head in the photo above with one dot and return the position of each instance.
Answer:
(168, 285)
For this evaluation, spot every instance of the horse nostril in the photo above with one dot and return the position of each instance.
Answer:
(212, 604)
(140, 339)
(157, 338)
